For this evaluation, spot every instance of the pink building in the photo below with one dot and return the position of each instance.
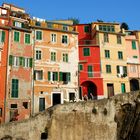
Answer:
(133, 60)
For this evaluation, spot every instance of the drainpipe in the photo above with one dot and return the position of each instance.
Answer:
(33, 64)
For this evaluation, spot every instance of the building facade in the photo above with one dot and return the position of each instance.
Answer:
(133, 59)
(113, 57)
(4, 33)
(19, 71)
(90, 80)
(56, 63)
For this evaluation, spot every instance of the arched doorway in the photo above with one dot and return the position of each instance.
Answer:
(89, 89)
(134, 84)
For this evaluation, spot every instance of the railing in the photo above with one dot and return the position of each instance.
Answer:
(87, 42)
(90, 74)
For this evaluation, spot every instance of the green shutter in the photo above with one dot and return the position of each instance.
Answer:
(15, 86)
(22, 25)
(56, 76)
(14, 23)
(31, 62)
(69, 77)
(10, 60)
(49, 75)
(60, 76)
(21, 61)
(118, 69)
(3, 36)
(133, 44)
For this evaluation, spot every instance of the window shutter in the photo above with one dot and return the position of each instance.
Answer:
(118, 69)
(69, 77)
(35, 75)
(31, 62)
(21, 61)
(3, 36)
(14, 23)
(10, 60)
(49, 75)
(22, 25)
(56, 78)
(60, 76)
(125, 70)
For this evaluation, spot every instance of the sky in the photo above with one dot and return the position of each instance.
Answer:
(86, 11)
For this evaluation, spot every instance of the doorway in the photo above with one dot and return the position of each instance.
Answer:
(110, 90)
(41, 104)
(56, 98)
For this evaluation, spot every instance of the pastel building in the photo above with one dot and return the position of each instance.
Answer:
(4, 33)
(133, 59)
(113, 57)
(18, 99)
(90, 80)
(55, 63)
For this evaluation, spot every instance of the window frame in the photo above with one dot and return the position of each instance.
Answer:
(53, 56)
(106, 37)
(15, 36)
(85, 52)
(53, 38)
(108, 69)
(40, 37)
(63, 39)
(26, 39)
(120, 55)
(15, 88)
(107, 54)
(38, 54)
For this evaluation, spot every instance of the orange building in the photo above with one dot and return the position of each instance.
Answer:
(4, 32)
(56, 63)
(19, 71)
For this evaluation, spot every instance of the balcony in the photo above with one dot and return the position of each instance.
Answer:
(19, 15)
(89, 75)
(88, 43)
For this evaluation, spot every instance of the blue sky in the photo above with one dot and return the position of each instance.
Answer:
(86, 11)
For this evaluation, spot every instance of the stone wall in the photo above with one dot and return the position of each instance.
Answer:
(86, 120)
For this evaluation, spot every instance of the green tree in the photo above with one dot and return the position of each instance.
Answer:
(125, 26)
(75, 20)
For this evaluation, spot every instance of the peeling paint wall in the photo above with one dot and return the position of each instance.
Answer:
(45, 88)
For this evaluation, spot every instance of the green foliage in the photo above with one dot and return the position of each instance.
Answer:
(75, 20)
(125, 26)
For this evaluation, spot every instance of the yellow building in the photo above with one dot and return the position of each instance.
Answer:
(56, 63)
(113, 57)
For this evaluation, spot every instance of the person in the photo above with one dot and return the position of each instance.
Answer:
(85, 97)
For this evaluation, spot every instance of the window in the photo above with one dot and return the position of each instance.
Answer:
(16, 36)
(80, 67)
(134, 45)
(107, 54)
(135, 56)
(16, 61)
(65, 28)
(38, 23)
(71, 96)
(53, 56)
(38, 55)
(90, 73)
(65, 77)
(38, 75)
(25, 105)
(133, 69)
(41, 104)
(2, 36)
(108, 68)
(119, 41)
(13, 106)
(122, 71)
(86, 29)
(65, 57)
(50, 25)
(52, 76)
(17, 24)
(15, 85)
(120, 55)
(86, 51)
(27, 62)
(107, 28)
(53, 38)
(38, 35)
(27, 38)
(0, 112)
(64, 39)
(106, 39)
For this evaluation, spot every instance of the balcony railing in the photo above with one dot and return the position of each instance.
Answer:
(87, 42)
(84, 74)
